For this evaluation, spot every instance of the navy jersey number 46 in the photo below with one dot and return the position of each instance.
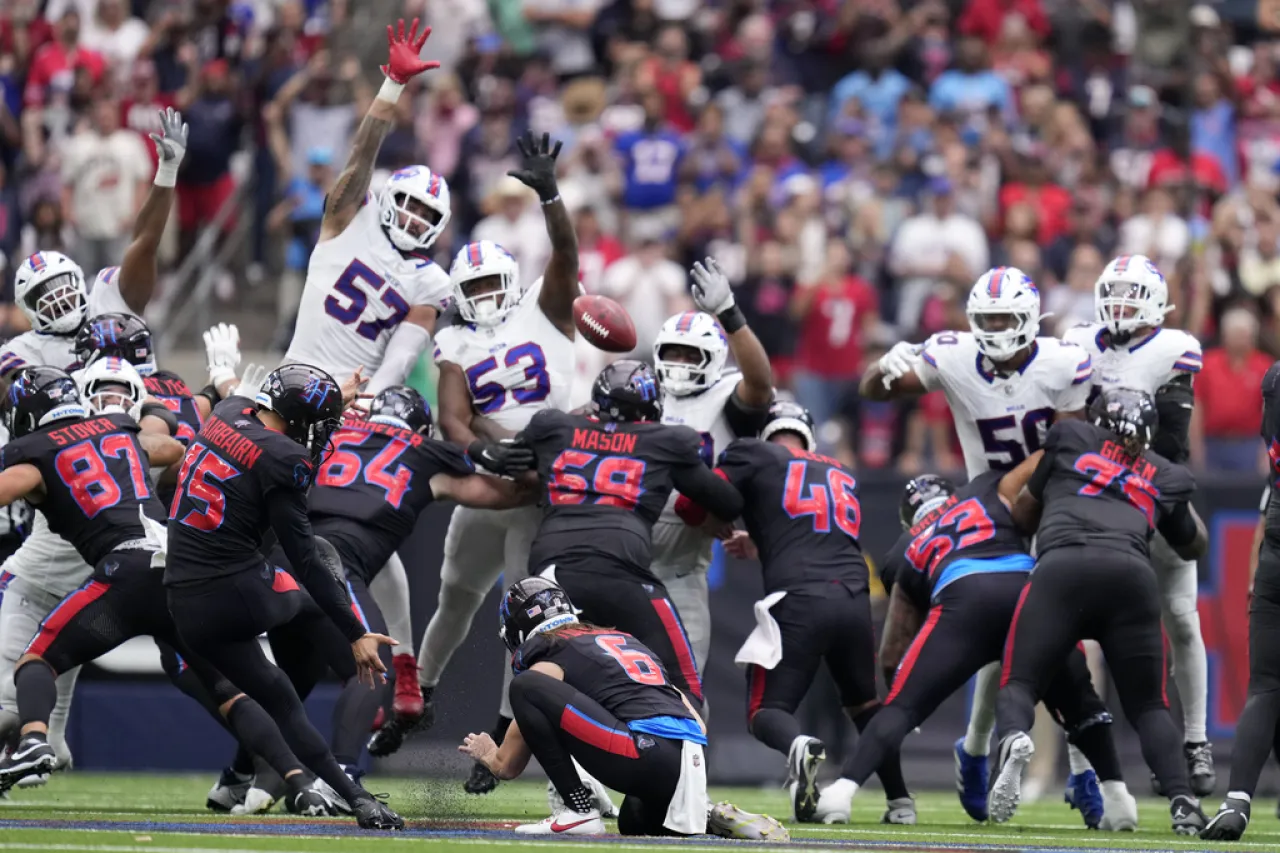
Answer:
(830, 499)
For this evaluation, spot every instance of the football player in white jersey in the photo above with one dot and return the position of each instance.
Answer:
(1005, 387)
(372, 295)
(689, 354)
(50, 290)
(511, 355)
(1131, 347)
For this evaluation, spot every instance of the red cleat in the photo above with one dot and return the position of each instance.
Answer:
(408, 704)
(379, 720)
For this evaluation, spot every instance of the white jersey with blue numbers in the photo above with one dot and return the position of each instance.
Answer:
(1145, 364)
(359, 289)
(1003, 419)
(679, 549)
(35, 348)
(515, 369)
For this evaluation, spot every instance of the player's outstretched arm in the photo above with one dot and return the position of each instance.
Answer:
(560, 279)
(901, 623)
(709, 491)
(506, 762)
(352, 185)
(481, 491)
(19, 482)
(713, 295)
(161, 450)
(893, 376)
(454, 400)
(138, 269)
(1011, 484)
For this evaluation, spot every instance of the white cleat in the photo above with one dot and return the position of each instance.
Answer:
(1119, 808)
(32, 781)
(256, 801)
(833, 806)
(803, 760)
(728, 821)
(1015, 753)
(566, 822)
(900, 812)
(228, 792)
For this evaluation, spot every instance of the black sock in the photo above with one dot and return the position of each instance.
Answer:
(352, 718)
(890, 769)
(242, 764)
(255, 729)
(1096, 741)
(499, 732)
(37, 690)
(775, 728)
(427, 693)
(1257, 733)
(878, 746)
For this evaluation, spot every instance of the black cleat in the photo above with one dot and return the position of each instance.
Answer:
(388, 739)
(1230, 822)
(1200, 770)
(312, 801)
(482, 780)
(32, 757)
(1187, 817)
(374, 814)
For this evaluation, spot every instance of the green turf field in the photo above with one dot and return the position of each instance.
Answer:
(124, 813)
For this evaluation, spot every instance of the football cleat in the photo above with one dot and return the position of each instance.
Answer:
(408, 704)
(1082, 793)
(728, 821)
(600, 797)
(372, 813)
(566, 822)
(1187, 818)
(32, 757)
(35, 780)
(1230, 822)
(803, 760)
(1015, 752)
(311, 801)
(228, 792)
(481, 781)
(900, 812)
(972, 779)
(257, 801)
(1200, 772)
(1119, 808)
(390, 736)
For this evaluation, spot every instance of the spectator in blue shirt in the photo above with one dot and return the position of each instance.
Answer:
(971, 88)
(878, 88)
(651, 159)
(713, 159)
(1213, 125)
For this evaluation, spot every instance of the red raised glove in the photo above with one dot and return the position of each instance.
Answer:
(404, 62)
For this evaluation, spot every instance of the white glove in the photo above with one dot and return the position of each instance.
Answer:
(222, 352)
(250, 382)
(171, 145)
(710, 288)
(898, 361)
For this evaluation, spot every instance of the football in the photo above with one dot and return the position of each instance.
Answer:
(604, 323)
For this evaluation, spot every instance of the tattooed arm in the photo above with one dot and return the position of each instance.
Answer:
(352, 186)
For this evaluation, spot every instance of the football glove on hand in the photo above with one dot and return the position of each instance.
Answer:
(508, 457)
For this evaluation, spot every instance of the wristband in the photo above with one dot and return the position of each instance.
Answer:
(390, 91)
(163, 412)
(550, 201)
(732, 319)
(210, 393)
(218, 375)
(167, 173)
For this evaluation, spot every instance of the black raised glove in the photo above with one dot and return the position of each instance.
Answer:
(508, 457)
(538, 165)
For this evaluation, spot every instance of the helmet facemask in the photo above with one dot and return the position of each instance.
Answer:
(683, 376)
(113, 396)
(1002, 332)
(412, 223)
(1125, 305)
(487, 299)
(57, 304)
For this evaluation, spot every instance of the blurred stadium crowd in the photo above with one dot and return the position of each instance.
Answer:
(854, 166)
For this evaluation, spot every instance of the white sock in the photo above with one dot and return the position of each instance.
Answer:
(390, 590)
(1113, 788)
(982, 716)
(1075, 758)
(841, 791)
(1239, 795)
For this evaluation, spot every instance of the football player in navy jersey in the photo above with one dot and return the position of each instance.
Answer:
(87, 474)
(1094, 501)
(246, 472)
(802, 514)
(599, 697)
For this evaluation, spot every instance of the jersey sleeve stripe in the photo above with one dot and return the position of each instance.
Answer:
(10, 361)
(1191, 355)
(1082, 378)
(927, 357)
(1187, 366)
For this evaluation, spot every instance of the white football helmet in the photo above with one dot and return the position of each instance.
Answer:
(1004, 292)
(420, 184)
(1131, 294)
(50, 289)
(483, 260)
(112, 385)
(702, 332)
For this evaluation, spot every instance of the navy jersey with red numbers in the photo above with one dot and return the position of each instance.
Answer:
(972, 524)
(610, 480)
(611, 667)
(1096, 494)
(234, 469)
(802, 512)
(371, 487)
(95, 478)
(170, 390)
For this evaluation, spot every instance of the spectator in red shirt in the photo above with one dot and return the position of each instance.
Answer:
(1050, 201)
(140, 110)
(671, 73)
(985, 18)
(1228, 412)
(60, 58)
(596, 249)
(837, 313)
